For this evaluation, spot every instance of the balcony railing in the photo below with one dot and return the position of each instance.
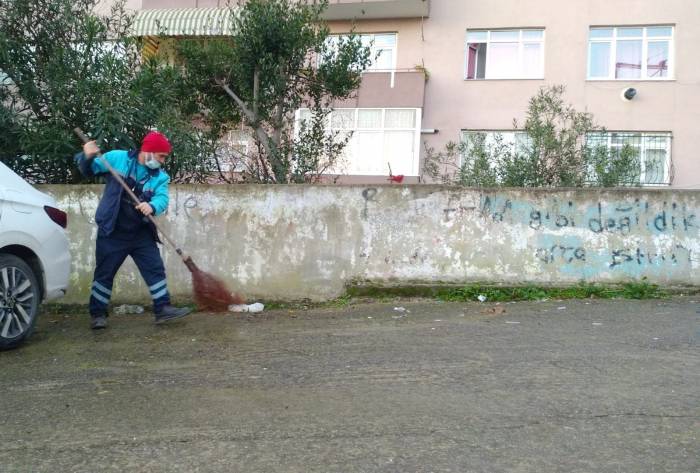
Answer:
(337, 9)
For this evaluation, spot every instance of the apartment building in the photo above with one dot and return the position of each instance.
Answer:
(448, 68)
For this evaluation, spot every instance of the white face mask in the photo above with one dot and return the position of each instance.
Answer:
(151, 162)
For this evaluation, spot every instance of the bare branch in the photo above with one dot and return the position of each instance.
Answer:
(256, 90)
(250, 114)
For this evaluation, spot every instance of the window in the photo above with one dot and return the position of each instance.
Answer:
(515, 141)
(505, 54)
(232, 151)
(382, 49)
(652, 149)
(624, 53)
(379, 137)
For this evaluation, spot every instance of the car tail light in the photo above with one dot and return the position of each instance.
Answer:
(58, 216)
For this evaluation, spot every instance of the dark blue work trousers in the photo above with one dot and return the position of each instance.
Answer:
(111, 251)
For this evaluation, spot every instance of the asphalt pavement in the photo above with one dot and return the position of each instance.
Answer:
(399, 386)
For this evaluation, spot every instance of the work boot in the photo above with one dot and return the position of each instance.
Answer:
(168, 312)
(99, 322)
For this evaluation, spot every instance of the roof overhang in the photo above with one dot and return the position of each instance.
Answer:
(183, 22)
(376, 9)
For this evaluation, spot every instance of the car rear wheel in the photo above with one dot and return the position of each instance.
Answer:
(19, 301)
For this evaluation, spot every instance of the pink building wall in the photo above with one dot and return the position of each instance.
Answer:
(451, 104)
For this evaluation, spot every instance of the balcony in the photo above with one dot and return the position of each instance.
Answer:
(376, 9)
(399, 89)
(337, 9)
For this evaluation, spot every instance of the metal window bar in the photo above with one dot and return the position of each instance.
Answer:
(652, 151)
(649, 156)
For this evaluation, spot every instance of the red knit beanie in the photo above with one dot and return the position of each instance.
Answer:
(155, 142)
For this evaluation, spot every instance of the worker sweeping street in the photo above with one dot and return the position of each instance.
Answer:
(124, 228)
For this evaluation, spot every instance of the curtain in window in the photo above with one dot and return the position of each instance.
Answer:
(532, 60)
(398, 118)
(628, 64)
(342, 119)
(367, 153)
(502, 61)
(657, 59)
(369, 118)
(471, 61)
(398, 151)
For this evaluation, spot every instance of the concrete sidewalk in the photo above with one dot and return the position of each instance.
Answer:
(572, 386)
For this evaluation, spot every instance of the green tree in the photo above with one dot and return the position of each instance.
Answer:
(277, 61)
(64, 66)
(557, 135)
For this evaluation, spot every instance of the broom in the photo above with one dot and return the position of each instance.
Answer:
(210, 293)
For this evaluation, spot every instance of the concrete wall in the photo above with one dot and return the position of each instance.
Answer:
(293, 242)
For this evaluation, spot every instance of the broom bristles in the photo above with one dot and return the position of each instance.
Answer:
(210, 293)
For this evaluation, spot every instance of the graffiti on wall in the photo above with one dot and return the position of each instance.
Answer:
(570, 232)
(612, 217)
(577, 234)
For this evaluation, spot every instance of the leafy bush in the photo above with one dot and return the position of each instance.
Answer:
(75, 68)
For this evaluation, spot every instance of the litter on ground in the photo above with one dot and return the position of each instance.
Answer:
(256, 307)
(128, 309)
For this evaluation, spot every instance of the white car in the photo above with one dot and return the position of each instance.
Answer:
(34, 255)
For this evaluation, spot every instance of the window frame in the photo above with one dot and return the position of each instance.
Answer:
(464, 132)
(521, 43)
(607, 136)
(613, 40)
(667, 168)
(373, 51)
(244, 139)
(416, 130)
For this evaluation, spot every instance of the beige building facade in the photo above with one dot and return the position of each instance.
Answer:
(448, 68)
(103, 7)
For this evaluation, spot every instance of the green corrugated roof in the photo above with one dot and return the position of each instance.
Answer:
(183, 22)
